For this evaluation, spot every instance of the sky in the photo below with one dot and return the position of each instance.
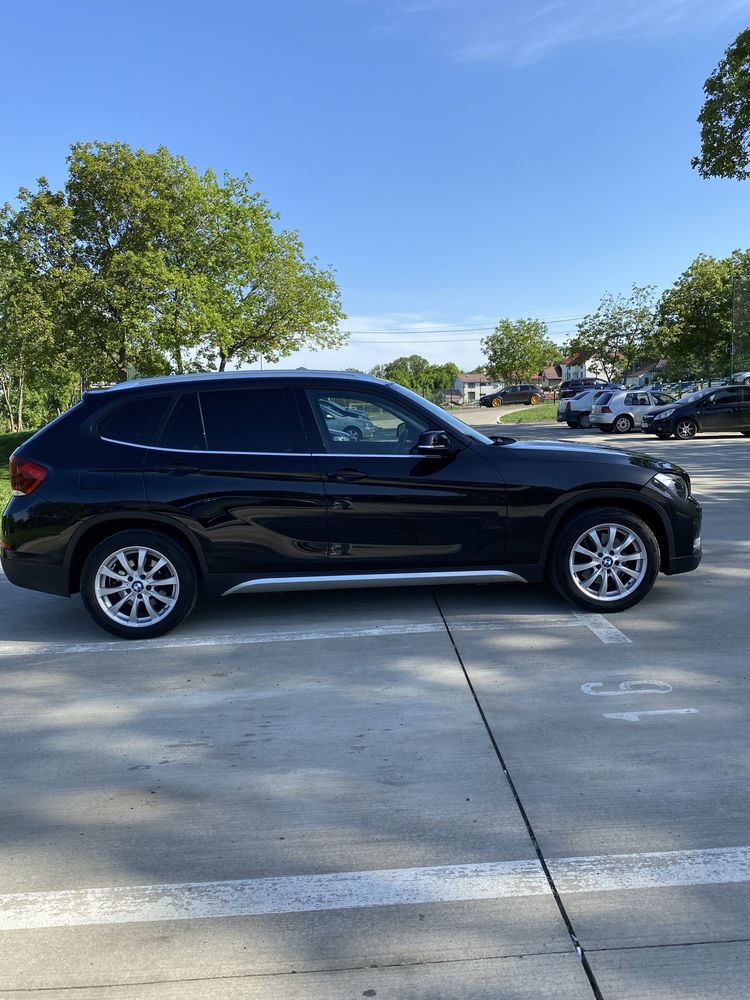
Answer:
(455, 161)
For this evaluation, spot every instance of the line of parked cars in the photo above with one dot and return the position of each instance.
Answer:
(656, 411)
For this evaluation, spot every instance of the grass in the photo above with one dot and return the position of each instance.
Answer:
(541, 414)
(8, 442)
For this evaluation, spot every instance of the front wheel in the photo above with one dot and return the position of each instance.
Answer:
(686, 429)
(354, 433)
(497, 401)
(138, 584)
(606, 559)
(535, 400)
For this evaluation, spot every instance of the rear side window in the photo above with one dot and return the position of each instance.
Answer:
(184, 428)
(603, 397)
(136, 421)
(249, 420)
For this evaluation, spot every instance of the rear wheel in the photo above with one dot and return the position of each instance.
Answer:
(535, 399)
(623, 424)
(354, 433)
(584, 420)
(497, 401)
(606, 559)
(686, 429)
(139, 584)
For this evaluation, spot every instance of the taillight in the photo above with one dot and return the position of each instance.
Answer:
(606, 409)
(25, 476)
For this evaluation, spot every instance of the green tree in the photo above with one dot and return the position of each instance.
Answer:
(695, 316)
(518, 350)
(725, 116)
(620, 332)
(165, 269)
(416, 373)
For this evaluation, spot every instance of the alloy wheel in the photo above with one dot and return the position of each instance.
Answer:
(136, 586)
(686, 429)
(608, 562)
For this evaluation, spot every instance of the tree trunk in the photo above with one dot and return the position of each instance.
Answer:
(19, 421)
(223, 358)
(122, 364)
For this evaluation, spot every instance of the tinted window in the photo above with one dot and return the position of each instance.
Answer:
(724, 396)
(603, 397)
(184, 428)
(136, 421)
(248, 420)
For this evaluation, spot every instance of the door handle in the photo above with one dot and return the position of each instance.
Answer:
(179, 469)
(346, 476)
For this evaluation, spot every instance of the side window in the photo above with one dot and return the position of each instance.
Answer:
(631, 399)
(746, 394)
(369, 425)
(135, 421)
(724, 396)
(184, 428)
(603, 397)
(249, 420)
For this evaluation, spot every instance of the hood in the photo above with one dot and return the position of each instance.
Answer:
(545, 451)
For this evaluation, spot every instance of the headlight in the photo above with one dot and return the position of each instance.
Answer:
(664, 413)
(672, 484)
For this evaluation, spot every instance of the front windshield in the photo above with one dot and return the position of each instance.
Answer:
(445, 418)
(696, 395)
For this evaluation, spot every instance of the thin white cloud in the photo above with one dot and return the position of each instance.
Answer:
(527, 31)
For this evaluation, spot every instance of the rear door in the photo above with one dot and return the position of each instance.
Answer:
(745, 408)
(720, 411)
(233, 465)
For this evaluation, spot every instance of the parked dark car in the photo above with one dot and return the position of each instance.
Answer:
(143, 494)
(573, 386)
(524, 392)
(723, 409)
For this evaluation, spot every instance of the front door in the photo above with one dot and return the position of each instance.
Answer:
(233, 465)
(391, 510)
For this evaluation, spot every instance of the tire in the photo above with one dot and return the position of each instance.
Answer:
(535, 400)
(497, 401)
(622, 424)
(685, 429)
(354, 433)
(584, 421)
(164, 605)
(571, 423)
(579, 582)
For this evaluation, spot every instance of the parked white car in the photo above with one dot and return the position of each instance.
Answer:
(622, 411)
(576, 412)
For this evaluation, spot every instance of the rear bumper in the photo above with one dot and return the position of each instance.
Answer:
(28, 572)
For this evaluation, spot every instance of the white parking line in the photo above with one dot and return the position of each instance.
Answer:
(388, 887)
(637, 716)
(600, 627)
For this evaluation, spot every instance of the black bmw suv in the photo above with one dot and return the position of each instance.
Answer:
(143, 494)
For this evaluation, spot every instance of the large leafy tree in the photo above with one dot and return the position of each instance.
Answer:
(416, 373)
(620, 331)
(159, 268)
(695, 316)
(725, 116)
(518, 350)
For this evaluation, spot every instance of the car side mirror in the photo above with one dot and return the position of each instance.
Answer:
(434, 443)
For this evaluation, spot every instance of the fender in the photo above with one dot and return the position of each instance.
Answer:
(125, 518)
(607, 496)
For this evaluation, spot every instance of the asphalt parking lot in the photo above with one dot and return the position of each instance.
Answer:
(459, 794)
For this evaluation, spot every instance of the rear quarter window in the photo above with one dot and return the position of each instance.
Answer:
(135, 421)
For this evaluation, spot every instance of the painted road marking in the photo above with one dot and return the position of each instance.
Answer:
(637, 716)
(352, 890)
(627, 687)
(600, 627)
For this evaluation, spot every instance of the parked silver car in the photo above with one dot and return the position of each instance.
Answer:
(576, 412)
(622, 411)
(355, 425)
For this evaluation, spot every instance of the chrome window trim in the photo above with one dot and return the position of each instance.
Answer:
(335, 581)
(279, 454)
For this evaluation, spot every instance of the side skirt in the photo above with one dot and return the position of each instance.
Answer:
(351, 580)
